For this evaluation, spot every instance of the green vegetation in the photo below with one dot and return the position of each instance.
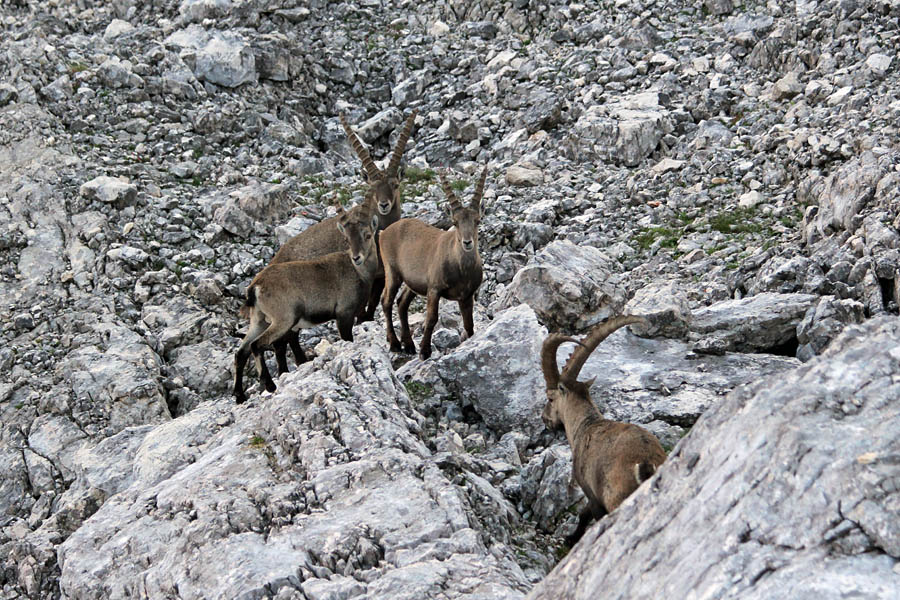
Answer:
(419, 391)
(649, 235)
(738, 220)
(417, 175)
(257, 441)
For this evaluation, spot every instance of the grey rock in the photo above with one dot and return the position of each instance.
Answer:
(830, 513)
(569, 287)
(719, 7)
(305, 508)
(508, 350)
(787, 87)
(823, 322)
(116, 28)
(666, 307)
(625, 132)
(8, 93)
(110, 190)
(524, 175)
(844, 194)
(757, 323)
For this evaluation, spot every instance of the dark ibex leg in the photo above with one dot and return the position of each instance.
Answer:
(257, 327)
(431, 316)
(261, 367)
(294, 340)
(280, 346)
(391, 286)
(584, 519)
(345, 327)
(406, 298)
(465, 309)
(368, 313)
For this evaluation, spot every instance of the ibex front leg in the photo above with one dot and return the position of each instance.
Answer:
(465, 309)
(431, 317)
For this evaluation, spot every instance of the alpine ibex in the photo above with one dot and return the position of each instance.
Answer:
(305, 293)
(609, 459)
(382, 199)
(432, 263)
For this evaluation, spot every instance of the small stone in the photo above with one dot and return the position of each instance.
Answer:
(439, 29)
(109, 190)
(879, 63)
(666, 165)
(750, 199)
(116, 28)
(787, 87)
(521, 175)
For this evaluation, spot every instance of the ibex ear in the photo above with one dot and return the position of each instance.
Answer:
(374, 222)
(340, 227)
(590, 382)
(563, 389)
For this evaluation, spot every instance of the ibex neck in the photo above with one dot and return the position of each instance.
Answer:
(576, 413)
(369, 266)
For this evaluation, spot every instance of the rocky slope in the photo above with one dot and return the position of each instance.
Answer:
(730, 169)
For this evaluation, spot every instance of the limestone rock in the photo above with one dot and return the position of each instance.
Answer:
(569, 287)
(827, 519)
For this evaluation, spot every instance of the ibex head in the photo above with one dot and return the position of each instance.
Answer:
(563, 387)
(384, 184)
(466, 219)
(358, 225)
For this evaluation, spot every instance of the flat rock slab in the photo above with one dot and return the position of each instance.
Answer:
(787, 489)
(757, 323)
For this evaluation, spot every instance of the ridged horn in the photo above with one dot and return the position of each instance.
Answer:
(448, 191)
(597, 334)
(548, 358)
(401, 144)
(368, 164)
(479, 190)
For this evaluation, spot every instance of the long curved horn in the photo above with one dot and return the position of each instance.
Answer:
(548, 358)
(479, 190)
(368, 164)
(448, 191)
(597, 334)
(401, 143)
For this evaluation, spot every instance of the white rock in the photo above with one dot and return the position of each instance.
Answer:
(438, 29)
(521, 175)
(116, 28)
(879, 63)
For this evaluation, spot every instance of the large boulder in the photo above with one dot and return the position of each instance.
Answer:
(570, 287)
(323, 487)
(787, 489)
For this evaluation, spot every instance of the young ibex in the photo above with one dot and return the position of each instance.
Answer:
(432, 263)
(305, 293)
(382, 199)
(609, 459)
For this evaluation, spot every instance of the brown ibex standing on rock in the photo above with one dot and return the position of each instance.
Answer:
(609, 459)
(305, 293)
(382, 199)
(433, 263)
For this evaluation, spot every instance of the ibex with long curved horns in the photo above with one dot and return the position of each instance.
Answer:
(609, 459)
(382, 199)
(432, 263)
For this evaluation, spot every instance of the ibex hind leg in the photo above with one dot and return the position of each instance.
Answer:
(257, 327)
(276, 331)
(406, 298)
(391, 287)
(584, 519)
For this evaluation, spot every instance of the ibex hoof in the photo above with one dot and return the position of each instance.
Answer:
(409, 348)
(240, 398)
(270, 386)
(425, 353)
(395, 346)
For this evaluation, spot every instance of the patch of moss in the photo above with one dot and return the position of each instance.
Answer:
(419, 391)
(257, 441)
(738, 220)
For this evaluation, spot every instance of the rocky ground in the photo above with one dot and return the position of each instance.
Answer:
(729, 169)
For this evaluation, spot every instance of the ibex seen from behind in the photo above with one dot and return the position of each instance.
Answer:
(305, 293)
(382, 199)
(433, 263)
(609, 459)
